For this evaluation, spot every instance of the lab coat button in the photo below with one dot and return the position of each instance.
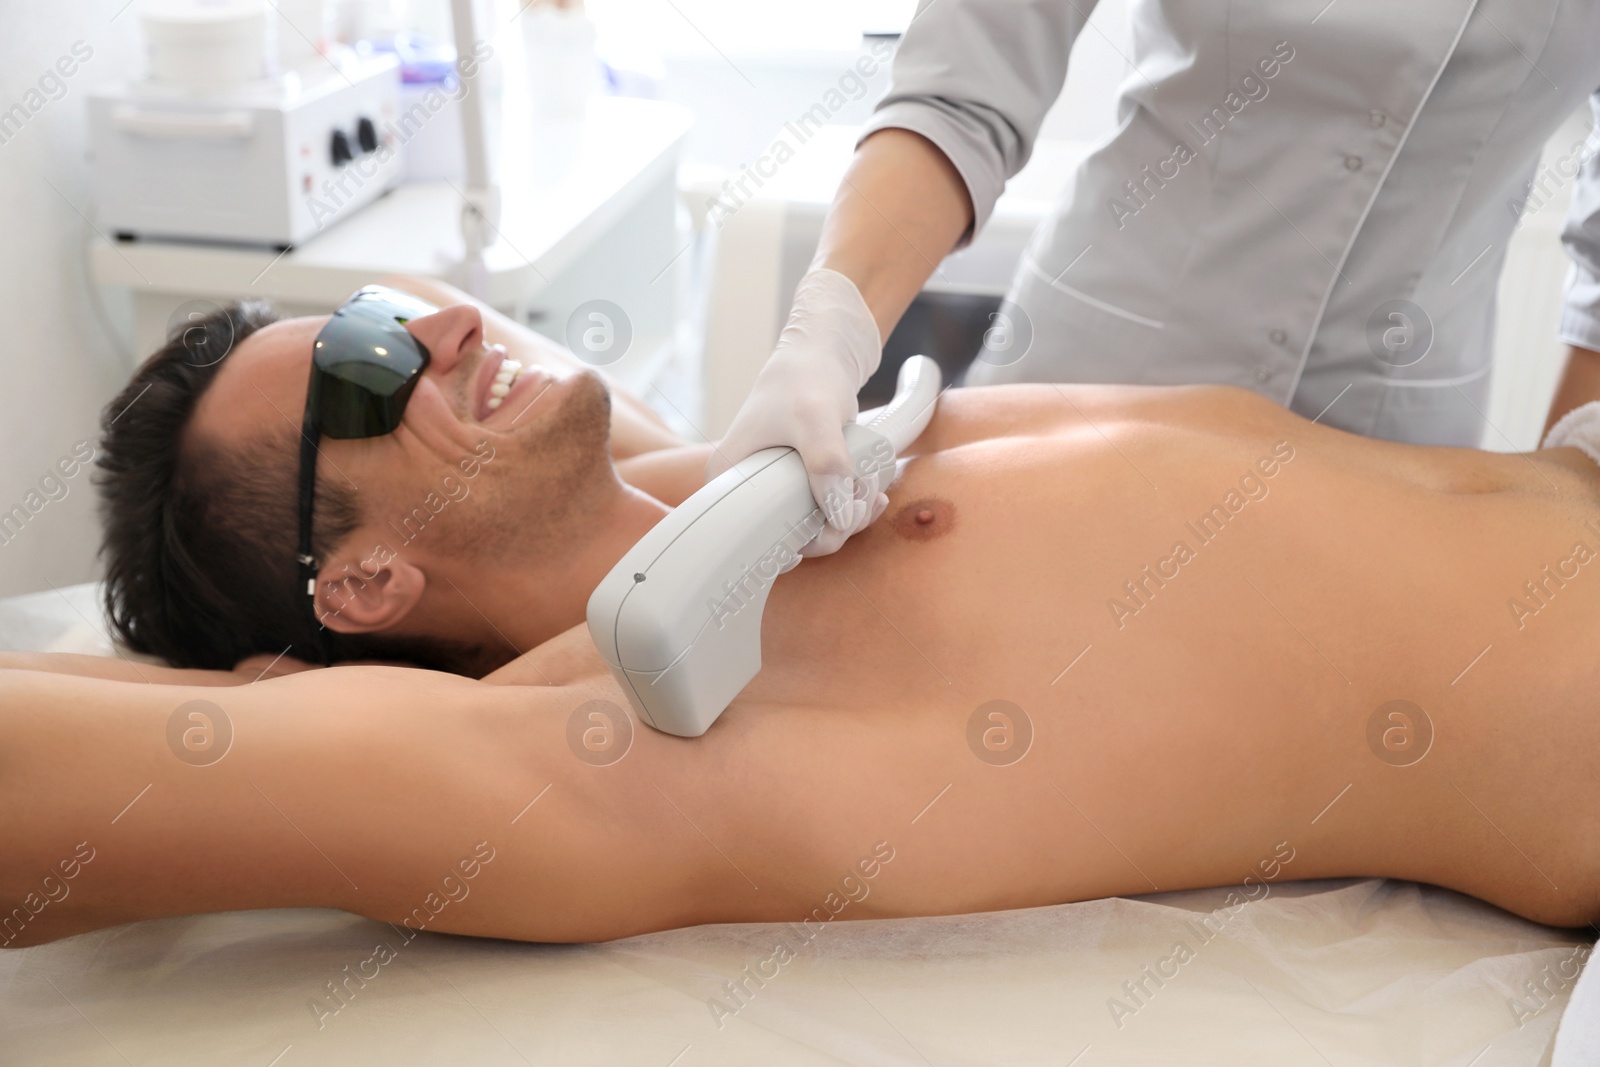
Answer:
(1352, 162)
(1376, 119)
(1263, 375)
(1277, 337)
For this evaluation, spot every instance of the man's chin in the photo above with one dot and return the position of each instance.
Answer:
(577, 424)
(602, 392)
(577, 395)
(592, 397)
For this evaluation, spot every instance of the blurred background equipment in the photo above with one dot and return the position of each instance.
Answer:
(231, 139)
(558, 39)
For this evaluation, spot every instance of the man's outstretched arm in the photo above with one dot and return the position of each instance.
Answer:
(115, 668)
(401, 795)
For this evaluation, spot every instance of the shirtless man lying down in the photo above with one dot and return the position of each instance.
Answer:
(1232, 646)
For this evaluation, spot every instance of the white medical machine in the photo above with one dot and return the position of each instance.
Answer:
(219, 144)
(253, 129)
(678, 619)
(271, 163)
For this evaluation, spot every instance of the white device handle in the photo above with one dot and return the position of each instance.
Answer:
(678, 619)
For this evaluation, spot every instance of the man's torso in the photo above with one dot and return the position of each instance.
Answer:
(1110, 640)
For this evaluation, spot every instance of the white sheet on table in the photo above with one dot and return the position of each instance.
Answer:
(1348, 972)
(1578, 1042)
(68, 619)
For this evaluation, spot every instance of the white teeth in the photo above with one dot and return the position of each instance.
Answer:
(505, 376)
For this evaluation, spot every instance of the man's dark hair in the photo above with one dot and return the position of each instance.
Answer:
(199, 538)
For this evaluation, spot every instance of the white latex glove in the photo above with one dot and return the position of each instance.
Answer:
(804, 396)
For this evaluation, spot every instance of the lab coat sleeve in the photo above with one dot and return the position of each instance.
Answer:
(1580, 321)
(976, 78)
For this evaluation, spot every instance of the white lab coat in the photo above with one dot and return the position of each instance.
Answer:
(1298, 193)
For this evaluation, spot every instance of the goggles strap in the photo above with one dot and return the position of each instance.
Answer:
(310, 436)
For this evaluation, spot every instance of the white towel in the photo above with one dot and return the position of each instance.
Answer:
(1578, 428)
(1578, 1040)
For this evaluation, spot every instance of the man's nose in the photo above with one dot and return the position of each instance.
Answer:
(450, 335)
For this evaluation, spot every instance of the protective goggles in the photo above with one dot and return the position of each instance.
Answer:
(364, 367)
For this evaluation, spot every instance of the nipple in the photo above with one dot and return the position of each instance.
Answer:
(925, 519)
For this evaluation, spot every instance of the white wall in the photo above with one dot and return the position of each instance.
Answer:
(59, 365)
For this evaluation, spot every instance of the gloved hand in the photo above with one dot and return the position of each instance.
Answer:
(804, 396)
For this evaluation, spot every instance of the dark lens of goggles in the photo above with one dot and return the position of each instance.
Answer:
(365, 364)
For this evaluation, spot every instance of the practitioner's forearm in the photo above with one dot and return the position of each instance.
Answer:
(899, 211)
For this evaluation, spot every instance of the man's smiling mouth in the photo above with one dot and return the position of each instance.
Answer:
(504, 378)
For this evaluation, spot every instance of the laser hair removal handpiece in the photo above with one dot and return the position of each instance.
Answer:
(678, 619)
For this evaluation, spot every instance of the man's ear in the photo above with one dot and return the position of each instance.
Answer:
(351, 601)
